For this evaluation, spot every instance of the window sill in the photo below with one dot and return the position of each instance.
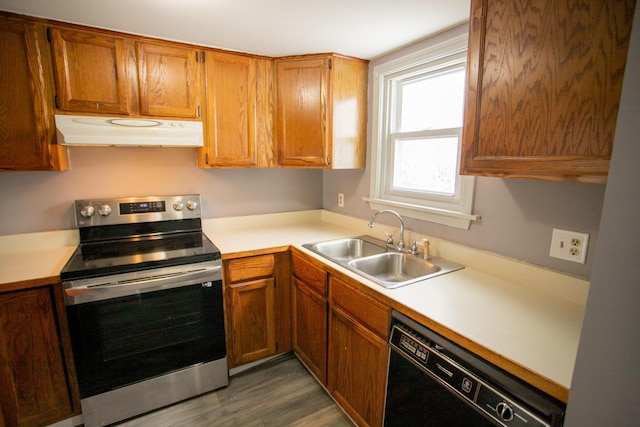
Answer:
(439, 216)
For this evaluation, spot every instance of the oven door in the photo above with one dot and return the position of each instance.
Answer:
(127, 339)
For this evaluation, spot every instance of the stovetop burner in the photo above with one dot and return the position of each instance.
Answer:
(121, 256)
(141, 247)
(133, 234)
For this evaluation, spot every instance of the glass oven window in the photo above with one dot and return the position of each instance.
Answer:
(129, 339)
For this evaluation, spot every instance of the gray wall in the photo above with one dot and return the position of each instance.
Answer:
(42, 201)
(518, 216)
(605, 390)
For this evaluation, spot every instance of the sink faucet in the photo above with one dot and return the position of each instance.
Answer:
(401, 242)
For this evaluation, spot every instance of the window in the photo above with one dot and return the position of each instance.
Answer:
(417, 131)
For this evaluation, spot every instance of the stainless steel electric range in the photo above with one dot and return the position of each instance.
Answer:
(143, 293)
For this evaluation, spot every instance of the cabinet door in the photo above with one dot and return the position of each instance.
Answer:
(544, 81)
(94, 72)
(254, 331)
(358, 361)
(310, 329)
(302, 113)
(358, 352)
(35, 387)
(26, 114)
(170, 82)
(257, 295)
(237, 117)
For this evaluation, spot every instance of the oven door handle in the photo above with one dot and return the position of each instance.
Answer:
(149, 283)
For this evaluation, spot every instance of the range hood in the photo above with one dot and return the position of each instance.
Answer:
(127, 132)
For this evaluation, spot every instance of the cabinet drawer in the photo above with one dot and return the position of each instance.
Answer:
(250, 268)
(371, 313)
(314, 277)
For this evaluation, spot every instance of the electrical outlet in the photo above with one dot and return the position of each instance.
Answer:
(341, 200)
(569, 245)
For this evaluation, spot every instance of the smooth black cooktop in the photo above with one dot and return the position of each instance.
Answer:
(107, 257)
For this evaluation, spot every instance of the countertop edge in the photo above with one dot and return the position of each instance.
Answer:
(536, 379)
(253, 235)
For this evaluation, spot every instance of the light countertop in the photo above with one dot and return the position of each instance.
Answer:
(523, 318)
(34, 256)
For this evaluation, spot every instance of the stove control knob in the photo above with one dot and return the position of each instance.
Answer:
(178, 205)
(87, 211)
(192, 204)
(104, 210)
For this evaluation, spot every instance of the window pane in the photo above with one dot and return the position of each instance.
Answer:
(432, 102)
(426, 165)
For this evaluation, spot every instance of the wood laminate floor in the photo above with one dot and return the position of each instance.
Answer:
(279, 393)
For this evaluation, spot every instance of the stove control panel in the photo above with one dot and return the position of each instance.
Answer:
(129, 208)
(91, 213)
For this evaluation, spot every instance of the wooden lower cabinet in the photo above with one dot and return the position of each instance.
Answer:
(310, 329)
(254, 331)
(310, 315)
(358, 353)
(257, 307)
(340, 333)
(37, 379)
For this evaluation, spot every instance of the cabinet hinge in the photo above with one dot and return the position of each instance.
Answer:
(49, 34)
(329, 159)
(330, 64)
(56, 102)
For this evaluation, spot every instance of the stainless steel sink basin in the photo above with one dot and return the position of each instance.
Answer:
(395, 269)
(347, 249)
(371, 258)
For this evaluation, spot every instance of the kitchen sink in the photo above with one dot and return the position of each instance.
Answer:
(372, 259)
(347, 249)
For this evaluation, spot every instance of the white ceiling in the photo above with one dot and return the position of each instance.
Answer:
(361, 28)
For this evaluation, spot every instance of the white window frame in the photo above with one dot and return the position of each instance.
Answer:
(454, 211)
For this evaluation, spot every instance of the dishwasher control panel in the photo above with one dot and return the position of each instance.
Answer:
(435, 360)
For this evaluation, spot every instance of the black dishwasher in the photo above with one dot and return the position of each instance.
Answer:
(434, 382)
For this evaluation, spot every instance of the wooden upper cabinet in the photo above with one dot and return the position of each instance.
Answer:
(169, 78)
(321, 107)
(238, 114)
(95, 72)
(27, 132)
(105, 73)
(544, 81)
